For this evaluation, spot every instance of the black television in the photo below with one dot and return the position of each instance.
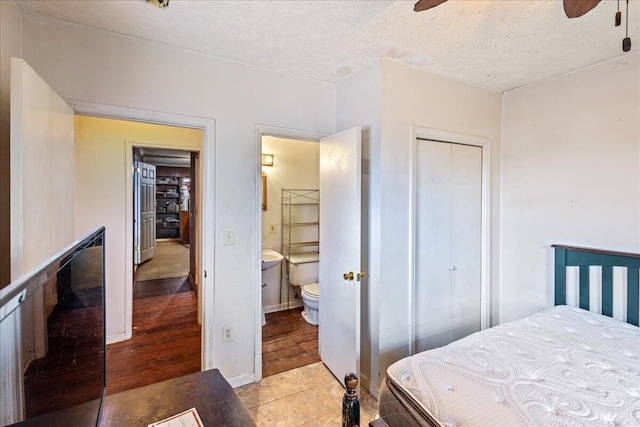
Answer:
(52, 340)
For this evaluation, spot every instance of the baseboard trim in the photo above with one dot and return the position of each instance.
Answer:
(241, 380)
(282, 307)
(112, 339)
(193, 284)
(367, 384)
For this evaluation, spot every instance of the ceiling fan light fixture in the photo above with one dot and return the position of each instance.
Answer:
(626, 42)
(426, 4)
(159, 3)
(577, 8)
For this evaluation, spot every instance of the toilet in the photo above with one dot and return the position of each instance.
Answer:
(303, 272)
(311, 299)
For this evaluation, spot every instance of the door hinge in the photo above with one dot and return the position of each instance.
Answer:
(205, 274)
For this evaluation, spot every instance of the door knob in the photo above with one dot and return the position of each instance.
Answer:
(360, 275)
(452, 268)
(348, 276)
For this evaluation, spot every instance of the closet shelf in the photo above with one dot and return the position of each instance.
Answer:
(300, 232)
(300, 224)
(300, 244)
(167, 206)
(301, 204)
(304, 258)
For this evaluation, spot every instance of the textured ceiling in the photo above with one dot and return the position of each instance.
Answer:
(494, 44)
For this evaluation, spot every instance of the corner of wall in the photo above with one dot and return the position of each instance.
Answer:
(10, 45)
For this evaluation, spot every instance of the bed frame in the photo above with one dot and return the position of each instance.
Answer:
(583, 258)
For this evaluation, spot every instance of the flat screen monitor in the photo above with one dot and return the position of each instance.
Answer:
(52, 340)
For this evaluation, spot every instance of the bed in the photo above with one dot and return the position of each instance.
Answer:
(562, 366)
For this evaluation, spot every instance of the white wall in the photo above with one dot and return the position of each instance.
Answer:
(297, 165)
(10, 45)
(100, 67)
(101, 196)
(358, 104)
(571, 175)
(412, 97)
(42, 171)
(387, 99)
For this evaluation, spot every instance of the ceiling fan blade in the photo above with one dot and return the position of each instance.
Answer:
(426, 4)
(576, 8)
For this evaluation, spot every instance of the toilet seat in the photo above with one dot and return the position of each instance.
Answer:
(311, 291)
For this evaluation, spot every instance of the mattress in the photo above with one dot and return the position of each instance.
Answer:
(559, 367)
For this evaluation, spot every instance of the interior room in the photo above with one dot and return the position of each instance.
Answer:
(290, 228)
(462, 151)
(164, 290)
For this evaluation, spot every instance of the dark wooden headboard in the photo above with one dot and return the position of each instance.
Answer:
(583, 258)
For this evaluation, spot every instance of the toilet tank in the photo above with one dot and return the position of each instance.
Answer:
(303, 269)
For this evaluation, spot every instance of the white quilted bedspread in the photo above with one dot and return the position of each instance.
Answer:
(560, 367)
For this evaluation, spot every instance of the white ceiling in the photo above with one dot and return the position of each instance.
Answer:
(498, 45)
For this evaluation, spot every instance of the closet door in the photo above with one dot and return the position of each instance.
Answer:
(466, 239)
(447, 242)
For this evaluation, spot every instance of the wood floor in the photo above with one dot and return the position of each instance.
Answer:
(166, 337)
(288, 342)
(74, 357)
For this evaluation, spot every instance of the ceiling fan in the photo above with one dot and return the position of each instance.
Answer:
(572, 8)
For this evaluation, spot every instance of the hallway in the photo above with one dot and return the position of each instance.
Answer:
(171, 260)
(166, 335)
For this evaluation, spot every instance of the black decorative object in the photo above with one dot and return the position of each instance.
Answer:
(350, 402)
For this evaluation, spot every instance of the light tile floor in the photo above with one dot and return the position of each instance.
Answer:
(306, 396)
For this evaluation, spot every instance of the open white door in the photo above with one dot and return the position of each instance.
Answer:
(144, 207)
(41, 214)
(340, 246)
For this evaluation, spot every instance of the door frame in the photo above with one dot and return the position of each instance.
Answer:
(418, 132)
(206, 252)
(276, 132)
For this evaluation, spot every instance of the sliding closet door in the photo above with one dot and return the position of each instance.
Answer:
(447, 242)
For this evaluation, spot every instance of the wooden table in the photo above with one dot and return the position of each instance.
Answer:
(207, 391)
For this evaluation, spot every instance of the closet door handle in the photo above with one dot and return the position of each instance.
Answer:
(452, 268)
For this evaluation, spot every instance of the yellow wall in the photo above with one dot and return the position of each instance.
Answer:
(102, 149)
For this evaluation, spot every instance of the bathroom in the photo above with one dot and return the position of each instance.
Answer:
(290, 168)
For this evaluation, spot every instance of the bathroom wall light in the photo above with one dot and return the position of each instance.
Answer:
(267, 159)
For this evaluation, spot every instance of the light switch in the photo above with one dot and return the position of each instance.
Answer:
(272, 229)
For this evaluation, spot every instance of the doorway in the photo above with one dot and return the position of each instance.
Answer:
(164, 198)
(166, 333)
(107, 140)
(337, 226)
(290, 227)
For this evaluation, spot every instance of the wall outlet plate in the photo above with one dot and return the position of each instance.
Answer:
(227, 333)
(229, 238)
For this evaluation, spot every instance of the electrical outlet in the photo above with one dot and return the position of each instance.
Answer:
(226, 333)
(272, 229)
(229, 238)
